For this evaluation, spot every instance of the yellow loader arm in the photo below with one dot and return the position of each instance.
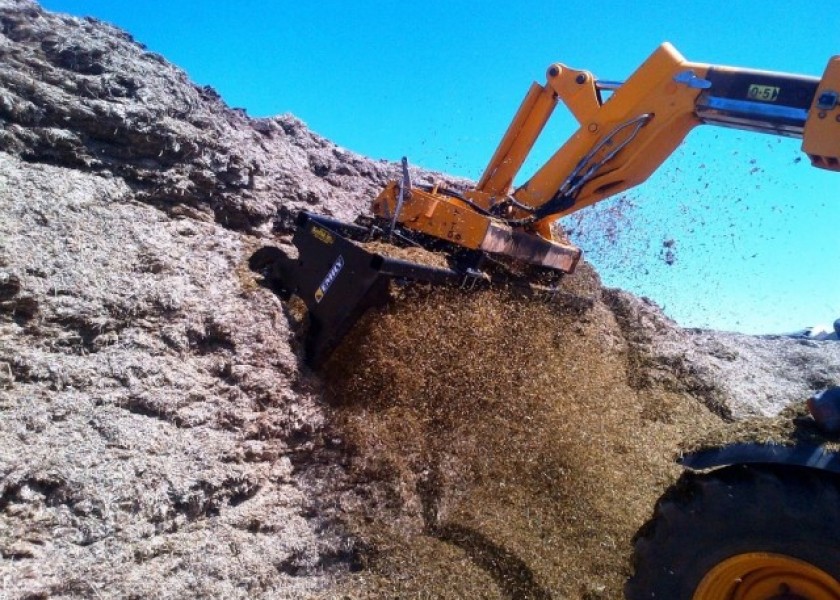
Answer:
(620, 143)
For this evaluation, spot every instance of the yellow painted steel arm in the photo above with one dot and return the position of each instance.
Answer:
(620, 142)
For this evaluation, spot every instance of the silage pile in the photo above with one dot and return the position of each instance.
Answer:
(160, 436)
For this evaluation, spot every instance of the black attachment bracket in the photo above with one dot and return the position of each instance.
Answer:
(337, 279)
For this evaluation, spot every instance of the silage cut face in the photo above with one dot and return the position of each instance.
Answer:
(517, 424)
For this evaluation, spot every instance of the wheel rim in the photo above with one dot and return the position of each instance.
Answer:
(763, 576)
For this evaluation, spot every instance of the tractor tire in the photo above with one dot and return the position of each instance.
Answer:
(745, 533)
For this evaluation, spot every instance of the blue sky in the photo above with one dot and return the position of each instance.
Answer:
(754, 229)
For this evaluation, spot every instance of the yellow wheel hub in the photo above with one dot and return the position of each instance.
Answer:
(763, 576)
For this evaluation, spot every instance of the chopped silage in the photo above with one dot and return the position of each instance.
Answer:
(159, 438)
(410, 253)
(793, 426)
(504, 452)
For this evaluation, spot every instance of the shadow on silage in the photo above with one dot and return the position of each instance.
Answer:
(511, 574)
